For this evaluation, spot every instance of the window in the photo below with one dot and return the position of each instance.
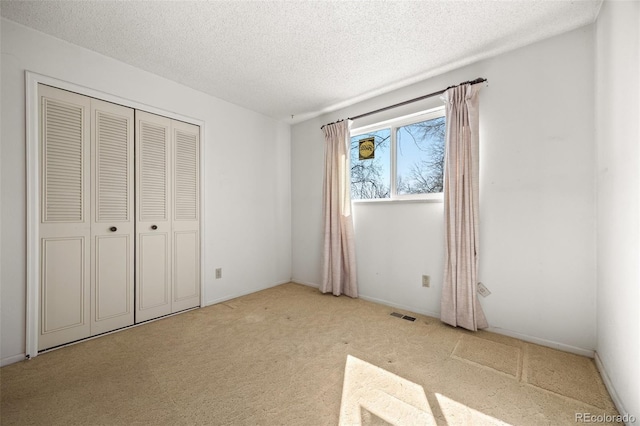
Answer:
(399, 159)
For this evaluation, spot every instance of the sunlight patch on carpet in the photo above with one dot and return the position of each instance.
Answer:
(456, 413)
(369, 419)
(372, 396)
(388, 397)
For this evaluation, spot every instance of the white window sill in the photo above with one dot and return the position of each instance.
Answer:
(439, 199)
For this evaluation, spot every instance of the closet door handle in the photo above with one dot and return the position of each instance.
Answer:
(154, 227)
(113, 229)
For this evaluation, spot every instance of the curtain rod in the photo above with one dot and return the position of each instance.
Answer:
(439, 92)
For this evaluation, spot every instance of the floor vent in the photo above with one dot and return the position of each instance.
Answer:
(405, 317)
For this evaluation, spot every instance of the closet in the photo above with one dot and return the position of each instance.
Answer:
(119, 219)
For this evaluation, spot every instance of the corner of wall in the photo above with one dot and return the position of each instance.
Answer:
(609, 385)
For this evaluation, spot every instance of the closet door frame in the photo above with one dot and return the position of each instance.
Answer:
(34, 186)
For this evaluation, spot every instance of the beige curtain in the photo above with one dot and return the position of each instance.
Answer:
(459, 305)
(339, 261)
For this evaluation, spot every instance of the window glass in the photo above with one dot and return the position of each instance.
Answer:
(371, 168)
(420, 157)
(399, 159)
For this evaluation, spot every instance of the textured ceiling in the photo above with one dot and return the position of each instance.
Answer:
(300, 58)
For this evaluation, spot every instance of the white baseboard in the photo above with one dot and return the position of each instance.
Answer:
(531, 339)
(308, 284)
(609, 385)
(12, 359)
(539, 341)
(378, 301)
(543, 342)
(400, 306)
(243, 293)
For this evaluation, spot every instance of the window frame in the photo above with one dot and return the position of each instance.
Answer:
(393, 124)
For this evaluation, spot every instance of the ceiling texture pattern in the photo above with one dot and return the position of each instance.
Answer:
(300, 58)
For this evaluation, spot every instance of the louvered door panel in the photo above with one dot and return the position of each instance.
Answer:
(185, 224)
(153, 170)
(186, 174)
(153, 223)
(64, 221)
(63, 161)
(112, 229)
(114, 137)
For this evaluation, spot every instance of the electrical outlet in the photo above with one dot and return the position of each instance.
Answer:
(426, 281)
(218, 273)
(482, 290)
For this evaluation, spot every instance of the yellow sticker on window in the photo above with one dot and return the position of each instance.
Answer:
(367, 149)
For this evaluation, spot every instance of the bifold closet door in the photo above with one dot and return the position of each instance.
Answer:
(112, 227)
(65, 222)
(119, 233)
(167, 206)
(153, 221)
(185, 215)
(86, 227)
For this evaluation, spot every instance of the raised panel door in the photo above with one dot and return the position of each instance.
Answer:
(64, 229)
(112, 228)
(186, 212)
(153, 217)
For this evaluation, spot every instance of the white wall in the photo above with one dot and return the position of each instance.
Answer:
(247, 172)
(537, 198)
(618, 192)
(0, 200)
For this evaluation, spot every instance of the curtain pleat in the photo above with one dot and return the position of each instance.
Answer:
(459, 304)
(339, 260)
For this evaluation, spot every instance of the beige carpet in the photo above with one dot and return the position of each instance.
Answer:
(282, 357)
